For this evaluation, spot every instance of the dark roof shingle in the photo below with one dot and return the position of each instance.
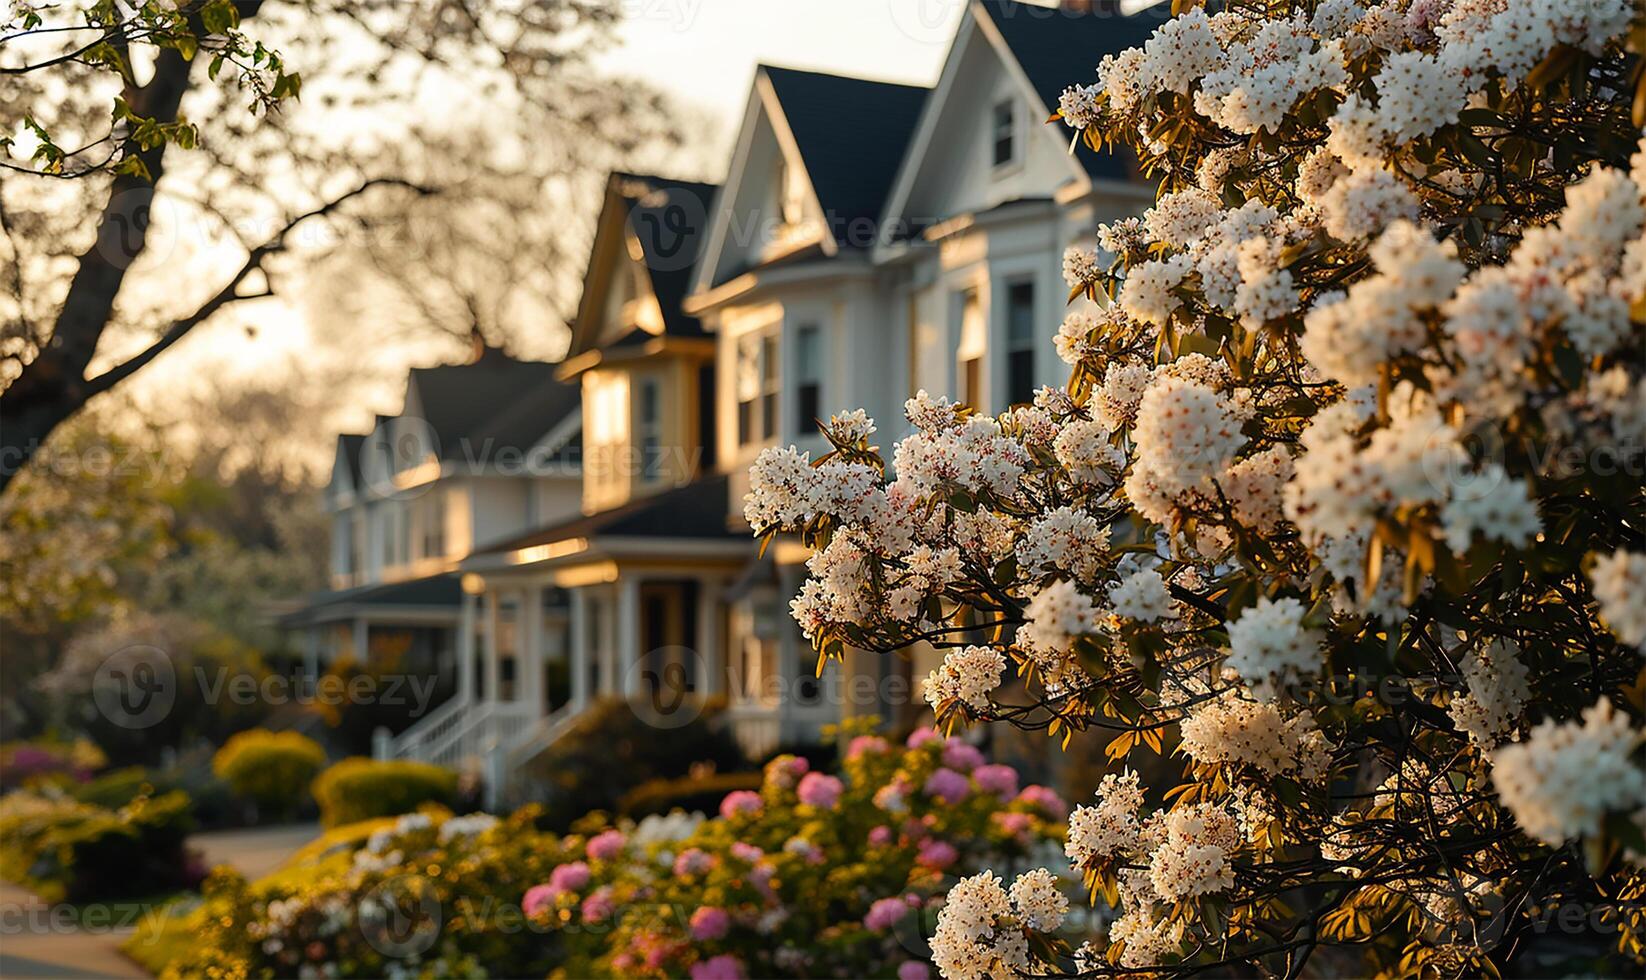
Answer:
(696, 510)
(1058, 47)
(511, 403)
(852, 134)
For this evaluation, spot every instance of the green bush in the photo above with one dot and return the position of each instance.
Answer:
(611, 750)
(118, 787)
(64, 849)
(359, 789)
(694, 794)
(271, 769)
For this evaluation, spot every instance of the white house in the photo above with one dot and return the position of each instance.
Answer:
(870, 240)
(481, 451)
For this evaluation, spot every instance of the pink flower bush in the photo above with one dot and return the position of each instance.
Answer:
(538, 898)
(598, 907)
(885, 913)
(692, 862)
(937, 854)
(1045, 800)
(740, 801)
(914, 970)
(920, 736)
(747, 853)
(881, 836)
(948, 786)
(606, 845)
(997, 779)
(570, 877)
(819, 790)
(709, 923)
(961, 756)
(723, 967)
(866, 745)
(785, 771)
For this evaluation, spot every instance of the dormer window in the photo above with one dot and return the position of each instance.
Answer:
(1003, 133)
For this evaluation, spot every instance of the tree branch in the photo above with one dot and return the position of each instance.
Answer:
(230, 293)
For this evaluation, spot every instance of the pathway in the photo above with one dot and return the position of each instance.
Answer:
(44, 942)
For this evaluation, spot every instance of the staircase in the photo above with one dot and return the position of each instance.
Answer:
(490, 738)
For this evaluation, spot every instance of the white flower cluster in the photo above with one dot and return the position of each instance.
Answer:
(980, 933)
(1563, 780)
(1056, 616)
(1186, 434)
(1111, 828)
(966, 676)
(1619, 582)
(1269, 640)
(1063, 540)
(1142, 596)
(1497, 694)
(1192, 848)
(1237, 729)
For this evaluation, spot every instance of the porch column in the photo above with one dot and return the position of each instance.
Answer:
(311, 653)
(607, 651)
(709, 643)
(579, 657)
(362, 639)
(528, 656)
(466, 624)
(628, 636)
(493, 667)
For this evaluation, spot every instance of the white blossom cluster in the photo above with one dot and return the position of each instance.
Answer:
(980, 931)
(1491, 708)
(1619, 582)
(1561, 781)
(965, 676)
(1237, 729)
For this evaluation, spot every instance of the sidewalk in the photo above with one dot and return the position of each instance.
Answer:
(43, 942)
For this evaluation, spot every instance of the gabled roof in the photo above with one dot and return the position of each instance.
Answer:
(696, 510)
(851, 133)
(669, 220)
(511, 403)
(349, 445)
(1059, 47)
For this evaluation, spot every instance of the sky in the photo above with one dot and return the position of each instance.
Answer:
(704, 52)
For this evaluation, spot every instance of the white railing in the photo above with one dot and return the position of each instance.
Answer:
(428, 732)
(758, 728)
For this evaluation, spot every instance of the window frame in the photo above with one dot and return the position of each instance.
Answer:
(1015, 345)
(808, 376)
(1012, 138)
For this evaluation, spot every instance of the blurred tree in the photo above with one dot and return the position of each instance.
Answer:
(110, 270)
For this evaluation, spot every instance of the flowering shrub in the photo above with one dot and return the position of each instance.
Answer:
(1342, 504)
(812, 875)
(272, 769)
(842, 880)
(359, 789)
(63, 849)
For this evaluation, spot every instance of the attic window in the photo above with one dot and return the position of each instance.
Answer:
(792, 188)
(1003, 133)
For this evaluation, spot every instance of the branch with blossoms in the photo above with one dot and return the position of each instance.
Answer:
(1362, 396)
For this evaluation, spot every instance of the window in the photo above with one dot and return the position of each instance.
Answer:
(433, 520)
(1020, 342)
(649, 428)
(808, 369)
(1003, 135)
(973, 344)
(757, 381)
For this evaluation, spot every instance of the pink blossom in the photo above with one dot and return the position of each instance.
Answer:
(936, 854)
(997, 779)
(692, 862)
(920, 736)
(880, 836)
(606, 845)
(570, 877)
(884, 914)
(1016, 824)
(819, 790)
(709, 923)
(747, 853)
(538, 898)
(786, 770)
(892, 797)
(963, 756)
(1045, 800)
(740, 801)
(912, 970)
(948, 785)
(599, 905)
(722, 967)
(864, 745)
